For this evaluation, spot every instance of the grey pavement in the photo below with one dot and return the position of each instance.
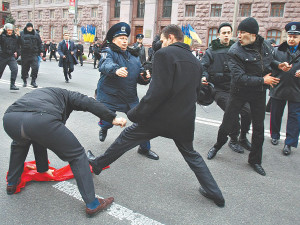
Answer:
(147, 191)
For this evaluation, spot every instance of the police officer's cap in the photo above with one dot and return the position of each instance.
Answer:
(139, 36)
(206, 94)
(118, 29)
(293, 28)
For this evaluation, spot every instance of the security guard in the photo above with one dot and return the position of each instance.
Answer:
(288, 90)
(140, 47)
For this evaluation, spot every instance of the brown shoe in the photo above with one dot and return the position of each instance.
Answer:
(104, 203)
(11, 189)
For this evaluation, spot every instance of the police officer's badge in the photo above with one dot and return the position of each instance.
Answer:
(123, 29)
(293, 27)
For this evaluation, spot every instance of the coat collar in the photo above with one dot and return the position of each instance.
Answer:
(115, 48)
(284, 47)
(181, 45)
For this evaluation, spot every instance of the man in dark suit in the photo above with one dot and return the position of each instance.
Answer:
(67, 59)
(164, 111)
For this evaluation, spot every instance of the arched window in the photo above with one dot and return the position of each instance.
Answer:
(274, 34)
(212, 34)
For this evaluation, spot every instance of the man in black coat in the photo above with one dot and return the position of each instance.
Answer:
(53, 49)
(140, 47)
(67, 59)
(79, 52)
(250, 65)
(96, 53)
(168, 109)
(9, 51)
(39, 118)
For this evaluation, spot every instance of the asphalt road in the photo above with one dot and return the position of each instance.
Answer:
(147, 191)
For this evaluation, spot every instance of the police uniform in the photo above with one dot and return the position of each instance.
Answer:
(286, 91)
(141, 48)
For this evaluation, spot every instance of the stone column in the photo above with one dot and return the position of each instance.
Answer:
(174, 15)
(105, 16)
(126, 11)
(150, 17)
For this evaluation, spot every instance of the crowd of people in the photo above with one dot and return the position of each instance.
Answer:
(236, 73)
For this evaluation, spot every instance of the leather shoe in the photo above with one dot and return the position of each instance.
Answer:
(234, 145)
(91, 159)
(70, 76)
(218, 202)
(11, 189)
(24, 83)
(258, 169)
(274, 141)
(245, 143)
(148, 153)
(286, 150)
(104, 203)
(212, 153)
(102, 134)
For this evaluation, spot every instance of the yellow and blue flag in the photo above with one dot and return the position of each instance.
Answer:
(193, 34)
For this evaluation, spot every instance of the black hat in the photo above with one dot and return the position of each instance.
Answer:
(224, 25)
(293, 28)
(139, 36)
(29, 25)
(118, 30)
(206, 94)
(249, 25)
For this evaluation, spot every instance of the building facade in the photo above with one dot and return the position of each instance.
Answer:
(52, 17)
(4, 11)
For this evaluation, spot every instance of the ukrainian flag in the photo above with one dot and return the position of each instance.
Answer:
(84, 34)
(193, 34)
(187, 36)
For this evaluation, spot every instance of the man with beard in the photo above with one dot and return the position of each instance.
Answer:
(79, 52)
(9, 52)
(216, 71)
(31, 48)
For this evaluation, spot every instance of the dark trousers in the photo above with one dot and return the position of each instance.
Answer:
(137, 134)
(80, 58)
(293, 120)
(27, 62)
(12, 63)
(46, 131)
(53, 54)
(68, 68)
(222, 99)
(257, 102)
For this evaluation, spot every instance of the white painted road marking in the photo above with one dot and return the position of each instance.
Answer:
(115, 210)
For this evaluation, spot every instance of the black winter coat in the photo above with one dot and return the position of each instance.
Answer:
(9, 44)
(60, 103)
(248, 65)
(168, 108)
(288, 87)
(141, 51)
(53, 47)
(31, 43)
(79, 49)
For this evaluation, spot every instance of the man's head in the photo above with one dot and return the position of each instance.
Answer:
(171, 34)
(293, 33)
(247, 31)
(119, 29)
(225, 33)
(66, 36)
(9, 28)
(29, 27)
(139, 38)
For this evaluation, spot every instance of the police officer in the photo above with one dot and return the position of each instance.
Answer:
(10, 50)
(250, 67)
(140, 47)
(288, 90)
(96, 54)
(216, 71)
(53, 49)
(67, 59)
(79, 52)
(31, 48)
(40, 117)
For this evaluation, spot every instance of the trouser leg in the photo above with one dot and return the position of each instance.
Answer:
(34, 67)
(199, 167)
(12, 63)
(71, 67)
(292, 128)
(277, 109)
(3, 63)
(41, 157)
(65, 68)
(245, 119)
(25, 67)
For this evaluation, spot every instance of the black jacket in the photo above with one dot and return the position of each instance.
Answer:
(141, 52)
(53, 47)
(288, 87)
(9, 44)
(64, 51)
(249, 64)
(168, 108)
(60, 103)
(80, 48)
(31, 43)
(215, 65)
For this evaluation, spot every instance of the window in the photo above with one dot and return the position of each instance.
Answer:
(212, 35)
(245, 10)
(5, 6)
(52, 14)
(277, 9)
(140, 8)
(29, 16)
(40, 14)
(190, 10)
(167, 8)
(41, 1)
(40, 28)
(274, 34)
(65, 13)
(30, 2)
(117, 8)
(65, 29)
(52, 32)
(19, 15)
(19, 2)
(79, 33)
(52, 1)
(94, 12)
(216, 10)
(79, 13)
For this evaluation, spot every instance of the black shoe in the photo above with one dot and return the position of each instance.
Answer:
(24, 83)
(91, 159)
(11, 189)
(245, 143)
(81, 64)
(212, 152)
(13, 87)
(258, 169)
(218, 202)
(102, 134)
(33, 84)
(286, 150)
(274, 141)
(67, 81)
(234, 145)
(148, 153)
(70, 76)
